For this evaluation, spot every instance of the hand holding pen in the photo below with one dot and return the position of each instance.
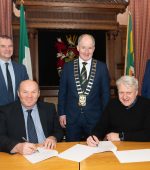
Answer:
(92, 140)
(28, 147)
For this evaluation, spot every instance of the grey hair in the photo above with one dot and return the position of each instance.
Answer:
(83, 35)
(130, 81)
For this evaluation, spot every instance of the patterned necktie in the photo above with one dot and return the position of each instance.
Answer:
(32, 135)
(83, 76)
(9, 84)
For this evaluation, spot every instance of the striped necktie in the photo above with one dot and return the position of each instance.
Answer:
(83, 76)
(32, 135)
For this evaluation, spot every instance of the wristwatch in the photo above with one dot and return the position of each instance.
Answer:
(121, 136)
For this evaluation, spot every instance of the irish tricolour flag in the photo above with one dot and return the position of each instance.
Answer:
(24, 51)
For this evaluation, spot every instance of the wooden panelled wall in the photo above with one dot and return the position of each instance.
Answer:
(70, 14)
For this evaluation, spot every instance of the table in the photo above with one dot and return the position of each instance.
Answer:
(108, 161)
(99, 161)
(18, 162)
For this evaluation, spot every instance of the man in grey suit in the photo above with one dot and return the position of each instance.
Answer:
(26, 122)
(17, 72)
(83, 91)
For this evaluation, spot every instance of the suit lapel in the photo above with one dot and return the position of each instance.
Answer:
(43, 118)
(20, 119)
(2, 83)
(16, 77)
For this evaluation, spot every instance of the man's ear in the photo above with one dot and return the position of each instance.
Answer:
(18, 93)
(77, 47)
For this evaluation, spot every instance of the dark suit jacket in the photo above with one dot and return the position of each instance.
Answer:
(96, 100)
(20, 75)
(146, 81)
(12, 125)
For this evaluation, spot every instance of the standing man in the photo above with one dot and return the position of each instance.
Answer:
(28, 121)
(83, 91)
(11, 73)
(146, 81)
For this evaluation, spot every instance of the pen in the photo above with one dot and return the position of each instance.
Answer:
(94, 140)
(24, 139)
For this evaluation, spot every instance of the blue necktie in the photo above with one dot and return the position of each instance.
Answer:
(9, 84)
(32, 135)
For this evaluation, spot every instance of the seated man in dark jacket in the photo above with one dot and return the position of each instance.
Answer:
(26, 122)
(126, 118)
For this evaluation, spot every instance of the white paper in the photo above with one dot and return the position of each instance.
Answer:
(104, 146)
(40, 155)
(127, 156)
(80, 152)
(77, 153)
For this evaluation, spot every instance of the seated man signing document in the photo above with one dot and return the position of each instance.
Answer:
(126, 118)
(26, 122)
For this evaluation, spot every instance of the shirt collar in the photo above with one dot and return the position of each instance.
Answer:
(88, 61)
(3, 62)
(128, 107)
(25, 109)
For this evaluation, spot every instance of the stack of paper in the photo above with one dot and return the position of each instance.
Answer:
(40, 155)
(105, 146)
(127, 156)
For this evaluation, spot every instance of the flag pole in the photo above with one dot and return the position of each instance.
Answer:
(126, 54)
(129, 57)
(24, 50)
(21, 2)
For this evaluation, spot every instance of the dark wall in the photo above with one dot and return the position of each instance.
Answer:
(48, 75)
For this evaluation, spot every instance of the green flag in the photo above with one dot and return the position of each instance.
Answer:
(24, 51)
(129, 58)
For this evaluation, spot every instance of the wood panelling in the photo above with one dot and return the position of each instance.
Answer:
(69, 14)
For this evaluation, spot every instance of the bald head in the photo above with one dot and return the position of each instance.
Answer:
(28, 83)
(86, 46)
(89, 36)
(28, 93)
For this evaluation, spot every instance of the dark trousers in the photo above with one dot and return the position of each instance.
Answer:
(80, 130)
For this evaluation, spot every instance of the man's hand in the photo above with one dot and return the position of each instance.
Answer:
(50, 142)
(62, 120)
(92, 141)
(24, 148)
(112, 137)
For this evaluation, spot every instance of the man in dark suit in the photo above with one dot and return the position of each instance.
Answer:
(17, 71)
(83, 91)
(28, 121)
(146, 81)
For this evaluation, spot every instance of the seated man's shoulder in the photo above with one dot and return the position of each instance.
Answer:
(46, 104)
(144, 100)
(9, 108)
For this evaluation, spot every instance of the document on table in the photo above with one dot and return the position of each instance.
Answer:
(80, 152)
(40, 155)
(105, 146)
(128, 156)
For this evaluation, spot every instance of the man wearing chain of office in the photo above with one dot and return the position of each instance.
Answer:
(83, 91)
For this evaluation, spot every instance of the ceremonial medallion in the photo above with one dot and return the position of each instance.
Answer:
(82, 100)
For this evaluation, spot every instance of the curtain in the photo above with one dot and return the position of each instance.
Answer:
(6, 17)
(140, 11)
